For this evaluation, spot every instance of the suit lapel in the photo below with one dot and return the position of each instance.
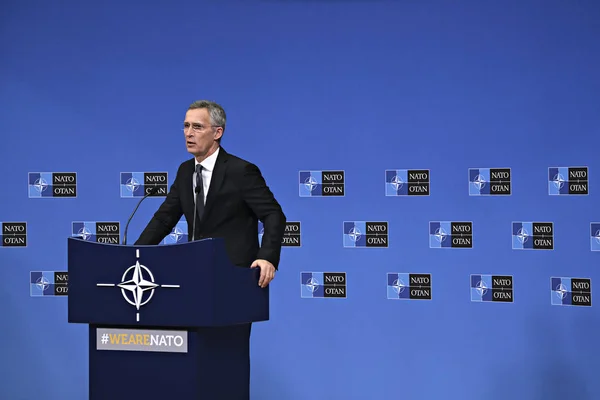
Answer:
(186, 191)
(216, 180)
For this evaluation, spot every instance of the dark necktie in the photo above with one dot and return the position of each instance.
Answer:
(199, 192)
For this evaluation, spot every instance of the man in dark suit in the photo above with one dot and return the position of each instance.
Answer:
(230, 196)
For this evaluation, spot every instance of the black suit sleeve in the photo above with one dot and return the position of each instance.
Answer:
(165, 218)
(261, 201)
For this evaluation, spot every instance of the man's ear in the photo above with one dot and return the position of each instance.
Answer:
(218, 133)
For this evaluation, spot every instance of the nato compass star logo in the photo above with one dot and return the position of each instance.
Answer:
(42, 283)
(40, 185)
(440, 234)
(398, 286)
(84, 233)
(137, 285)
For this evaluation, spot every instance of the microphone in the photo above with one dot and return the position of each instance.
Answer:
(197, 190)
(153, 190)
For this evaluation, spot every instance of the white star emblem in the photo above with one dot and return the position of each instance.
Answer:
(137, 285)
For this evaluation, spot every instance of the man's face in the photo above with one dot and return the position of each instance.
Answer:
(200, 136)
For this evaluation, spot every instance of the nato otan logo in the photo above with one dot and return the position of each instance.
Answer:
(568, 181)
(97, 231)
(52, 184)
(492, 288)
(571, 291)
(532, 236)
(48, 283)
(450, 235)
(139, 184)
(321, 183)
(291, 235)
(489, 182)
(365, 234)
(323, 285)
(408, 286)
(179, 234)
(14, 234)
(407, 182)
(595, 236)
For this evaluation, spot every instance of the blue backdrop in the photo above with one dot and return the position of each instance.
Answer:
(100, 88)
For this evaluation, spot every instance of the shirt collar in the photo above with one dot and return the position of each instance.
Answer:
(209, 162)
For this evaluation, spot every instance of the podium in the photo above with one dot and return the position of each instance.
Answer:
(165, 322)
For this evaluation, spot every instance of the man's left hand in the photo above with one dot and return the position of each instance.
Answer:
(267, 272)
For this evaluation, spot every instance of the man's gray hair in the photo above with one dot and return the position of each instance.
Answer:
(216, 112)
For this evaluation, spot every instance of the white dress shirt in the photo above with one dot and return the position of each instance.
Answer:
(208, 166)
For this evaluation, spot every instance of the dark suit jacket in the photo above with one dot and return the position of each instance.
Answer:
(238, 197)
